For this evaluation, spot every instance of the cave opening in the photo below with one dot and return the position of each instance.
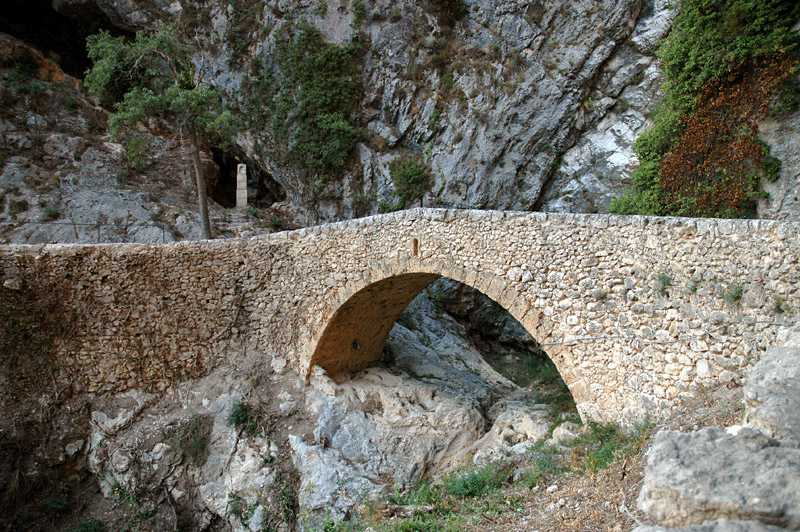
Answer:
(262, 189)
(60, 37)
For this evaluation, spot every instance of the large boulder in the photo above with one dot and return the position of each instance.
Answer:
(720, 525)
(772, 401)
(709, 474)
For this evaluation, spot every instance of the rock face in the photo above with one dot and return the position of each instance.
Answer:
(705, 475)
(772, 401)
(598, 166)
(783, 202)
(743, 473)
(720, 525)
(62, 179)
(515, 106)
(493, 102)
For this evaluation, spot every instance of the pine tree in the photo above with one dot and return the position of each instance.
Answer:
(154, 76)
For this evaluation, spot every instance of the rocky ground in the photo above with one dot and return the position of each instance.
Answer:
(461, 427)
(433, 439)
(63, 179)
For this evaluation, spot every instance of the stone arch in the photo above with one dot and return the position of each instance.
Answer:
(354, 333)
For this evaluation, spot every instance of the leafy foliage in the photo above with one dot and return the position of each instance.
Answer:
(476, 482)
(411, 178)
(23, 81)
(252, 418)
(715, 169)
(154, 77)
(733, 293)
(710, 38)
(725, 61)
(312, 92)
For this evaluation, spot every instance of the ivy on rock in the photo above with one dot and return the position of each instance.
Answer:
(725, 62)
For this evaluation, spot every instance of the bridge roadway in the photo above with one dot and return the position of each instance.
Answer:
(636, 312)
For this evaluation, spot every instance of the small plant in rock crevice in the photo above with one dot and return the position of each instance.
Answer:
(412, 179)
(781, 306)
(253, 419)
(733, 293)
(57, 504)
(664, 282)
(125, 495)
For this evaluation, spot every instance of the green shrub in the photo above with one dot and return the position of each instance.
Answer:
(51, 213)
(664, 282)
(309, 96)
(243, 22)
(87, 525)
(57, 504)
(126, 495)
(359, 13)
(23, 81)
(252, 419)
(411, 178)
(781, 305)
(239, 415)
(733, 293)
(709, 38)
(476, 482)
(69, 102)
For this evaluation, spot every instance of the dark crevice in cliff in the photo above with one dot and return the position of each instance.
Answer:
(59, 37)
(263, 190)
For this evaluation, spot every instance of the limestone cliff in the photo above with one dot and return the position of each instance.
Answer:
(512, 105)
(516, 105)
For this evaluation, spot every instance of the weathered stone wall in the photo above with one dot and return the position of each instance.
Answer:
(634, 311)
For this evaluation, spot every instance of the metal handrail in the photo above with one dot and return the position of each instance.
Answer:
(92, 224)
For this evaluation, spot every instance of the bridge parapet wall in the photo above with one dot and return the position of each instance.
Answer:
(636, 312)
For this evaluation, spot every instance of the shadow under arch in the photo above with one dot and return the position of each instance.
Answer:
(354, 336)
(357, 331)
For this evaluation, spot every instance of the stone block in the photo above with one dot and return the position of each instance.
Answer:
(710, 474)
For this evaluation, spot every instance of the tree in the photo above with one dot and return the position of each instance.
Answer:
(154, 77)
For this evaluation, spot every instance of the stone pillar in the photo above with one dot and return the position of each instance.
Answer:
(241, 186)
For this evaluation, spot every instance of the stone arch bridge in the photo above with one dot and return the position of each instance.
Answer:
(636, 312)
